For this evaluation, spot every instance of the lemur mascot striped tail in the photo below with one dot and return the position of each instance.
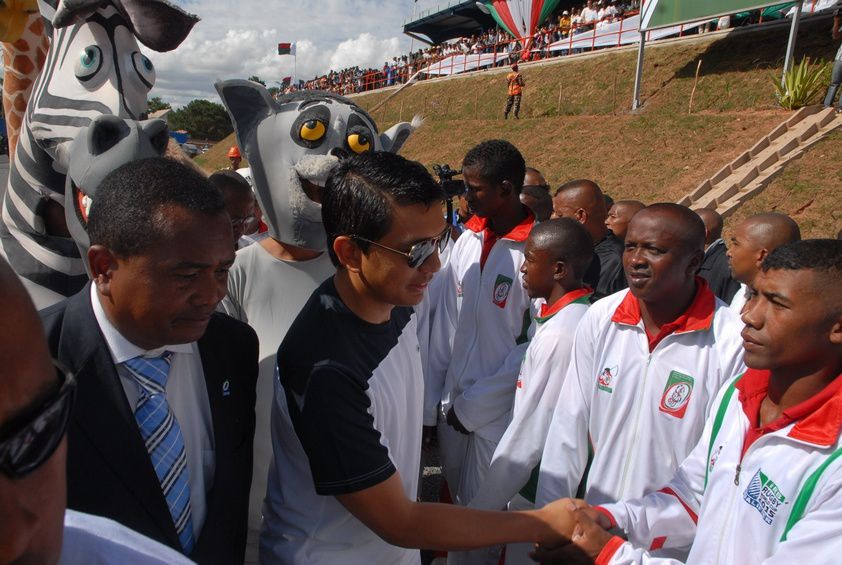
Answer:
(94, 67)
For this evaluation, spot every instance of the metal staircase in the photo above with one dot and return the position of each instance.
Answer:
(749, 173)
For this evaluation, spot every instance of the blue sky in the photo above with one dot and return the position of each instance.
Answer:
(237, 39)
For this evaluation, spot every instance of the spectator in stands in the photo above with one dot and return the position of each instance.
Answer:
(589, 15)
(715, 268)
(753, 239)
(620, 214)
(583, 201)
(514, 85)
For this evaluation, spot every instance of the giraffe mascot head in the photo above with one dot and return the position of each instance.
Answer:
(94, 67)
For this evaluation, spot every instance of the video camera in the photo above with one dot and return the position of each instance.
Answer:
(451, 187)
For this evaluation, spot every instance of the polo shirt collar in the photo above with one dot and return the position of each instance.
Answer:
(518, 233)
(578, 296)
(817, 419)
(697, 317)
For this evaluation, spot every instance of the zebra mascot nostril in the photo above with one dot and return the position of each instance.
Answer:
(293, 143)
(94, 67)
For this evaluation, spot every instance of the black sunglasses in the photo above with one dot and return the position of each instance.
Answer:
(420, 251)
(29, 440)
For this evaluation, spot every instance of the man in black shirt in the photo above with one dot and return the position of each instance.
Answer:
(715, 269)
(583, 201)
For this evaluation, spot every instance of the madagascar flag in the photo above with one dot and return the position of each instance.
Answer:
(286, 48)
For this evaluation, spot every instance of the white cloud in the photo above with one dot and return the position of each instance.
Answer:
(238, 39)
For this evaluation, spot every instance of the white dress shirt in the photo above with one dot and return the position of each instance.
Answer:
(188, 399)
(93, 540)
(740, 299)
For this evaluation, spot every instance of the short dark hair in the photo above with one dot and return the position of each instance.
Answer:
(360, 192)
(497, 160)
(568, 241)
(230, 182)
(124, 216)
(824, 255)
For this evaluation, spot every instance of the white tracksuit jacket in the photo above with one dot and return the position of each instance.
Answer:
(480, 331)
(538, 385)
(780, 503)
(641, 411)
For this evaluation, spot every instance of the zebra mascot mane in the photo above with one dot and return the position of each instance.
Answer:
(94, 67)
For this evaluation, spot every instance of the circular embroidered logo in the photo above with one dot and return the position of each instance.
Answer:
(677, 396)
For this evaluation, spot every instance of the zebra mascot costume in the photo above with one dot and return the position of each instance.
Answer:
(94, 67)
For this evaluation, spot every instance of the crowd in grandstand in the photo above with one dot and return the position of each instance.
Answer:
(593, 15)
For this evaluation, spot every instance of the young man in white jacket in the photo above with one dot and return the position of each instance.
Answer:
(481, 324)
(557, 254)
(646, 366)
(764, 483)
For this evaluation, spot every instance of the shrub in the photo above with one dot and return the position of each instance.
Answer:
(802, 84)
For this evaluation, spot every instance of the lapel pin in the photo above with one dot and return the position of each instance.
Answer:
(226, 388)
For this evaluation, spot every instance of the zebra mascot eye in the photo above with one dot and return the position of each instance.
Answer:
(89, 63)
(144, 68)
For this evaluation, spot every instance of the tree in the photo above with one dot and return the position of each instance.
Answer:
(255, 78)
(155, 104)
(203, 119)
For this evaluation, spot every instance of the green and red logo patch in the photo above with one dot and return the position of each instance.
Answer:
(502, 288)
(677, 394)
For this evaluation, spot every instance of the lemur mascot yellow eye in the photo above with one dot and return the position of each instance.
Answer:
(313, 130)
(359, 143)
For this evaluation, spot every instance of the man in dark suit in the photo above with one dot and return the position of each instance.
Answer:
(715, 269)
(583, 201)
(161, 437)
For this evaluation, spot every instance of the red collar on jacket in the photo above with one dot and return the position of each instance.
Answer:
(817, 419)
(518, 233)
(580, 295)
(697, 317)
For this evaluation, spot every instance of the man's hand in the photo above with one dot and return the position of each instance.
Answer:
(453, 422)
(429, 438)
(587, 537)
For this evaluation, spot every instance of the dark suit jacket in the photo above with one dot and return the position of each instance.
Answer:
(716, 271)
(605, 274)
(109, 472)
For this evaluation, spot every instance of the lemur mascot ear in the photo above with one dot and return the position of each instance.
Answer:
(293, 143)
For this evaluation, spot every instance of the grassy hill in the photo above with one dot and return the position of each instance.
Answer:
(576, 120)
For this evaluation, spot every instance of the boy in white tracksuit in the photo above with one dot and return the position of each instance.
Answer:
(764, 483)
(637, 397)
(481, 325)
(557, 254)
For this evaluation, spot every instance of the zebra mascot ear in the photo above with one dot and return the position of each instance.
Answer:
(158, 24)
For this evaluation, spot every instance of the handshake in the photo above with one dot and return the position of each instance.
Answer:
(582, 532)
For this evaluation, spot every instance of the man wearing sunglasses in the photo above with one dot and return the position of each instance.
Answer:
(161, 438)
(347, 414)
(36, 398)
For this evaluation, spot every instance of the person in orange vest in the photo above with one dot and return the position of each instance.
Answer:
(235, 157)
(515, 83)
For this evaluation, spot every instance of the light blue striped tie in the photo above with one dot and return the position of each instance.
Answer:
(164, 442)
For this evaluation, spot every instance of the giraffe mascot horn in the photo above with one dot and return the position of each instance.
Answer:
(94, 66)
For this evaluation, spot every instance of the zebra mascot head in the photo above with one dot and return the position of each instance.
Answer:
(94, 67)
(293, 144)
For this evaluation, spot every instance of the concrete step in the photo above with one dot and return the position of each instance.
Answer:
(752, 170)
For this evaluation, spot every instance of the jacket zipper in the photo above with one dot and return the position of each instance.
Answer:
(639, 405)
